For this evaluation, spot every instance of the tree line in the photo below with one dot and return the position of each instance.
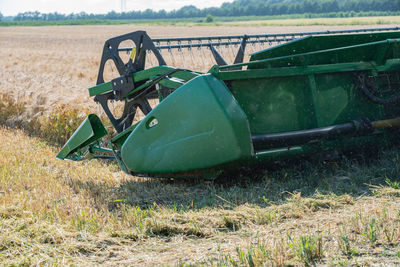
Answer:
(236, 8)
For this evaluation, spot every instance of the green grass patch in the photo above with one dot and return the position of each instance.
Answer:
(308, 249)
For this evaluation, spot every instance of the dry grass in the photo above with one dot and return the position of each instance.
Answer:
(57, 212)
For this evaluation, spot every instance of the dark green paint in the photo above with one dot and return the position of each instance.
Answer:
(190, 135)
(313, 44)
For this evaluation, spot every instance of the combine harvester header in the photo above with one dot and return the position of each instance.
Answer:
(324, 93)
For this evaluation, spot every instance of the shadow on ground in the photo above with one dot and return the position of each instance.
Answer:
(262, 185)
(258, 185)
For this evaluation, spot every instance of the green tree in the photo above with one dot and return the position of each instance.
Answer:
(209, 18)
(331, 8)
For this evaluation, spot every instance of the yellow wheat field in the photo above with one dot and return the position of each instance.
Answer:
(50, 66)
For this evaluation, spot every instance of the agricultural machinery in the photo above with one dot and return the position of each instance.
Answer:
(319, 93)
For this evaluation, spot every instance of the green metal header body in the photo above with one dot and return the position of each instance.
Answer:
(209, 130)
(207, 124)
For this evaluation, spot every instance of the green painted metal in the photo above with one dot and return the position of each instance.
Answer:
(160, 70)
(147, 76)
(190, 135)
(206, 125)
(220, 72)
(100, 89)
(310, 93)
(313, 44)
(90, 131)
(152, 75)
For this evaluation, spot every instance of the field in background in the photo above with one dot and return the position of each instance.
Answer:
(52, 66)
(347, 18)
(321, 21)
(90, 213)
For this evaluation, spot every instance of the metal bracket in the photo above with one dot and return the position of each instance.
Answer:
(218, 58)
(122, 86)
(239, 56)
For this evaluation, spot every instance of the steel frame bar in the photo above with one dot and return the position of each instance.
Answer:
(228, 40)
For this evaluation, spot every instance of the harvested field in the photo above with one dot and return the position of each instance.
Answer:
(53, 212)
(62, 213)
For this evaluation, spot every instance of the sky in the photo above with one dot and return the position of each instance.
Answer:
(13, 7)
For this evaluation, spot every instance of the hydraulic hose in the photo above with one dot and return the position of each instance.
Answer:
(360, 80)
(358, 127)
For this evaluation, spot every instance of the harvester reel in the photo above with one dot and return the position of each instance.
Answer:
(137, 62)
